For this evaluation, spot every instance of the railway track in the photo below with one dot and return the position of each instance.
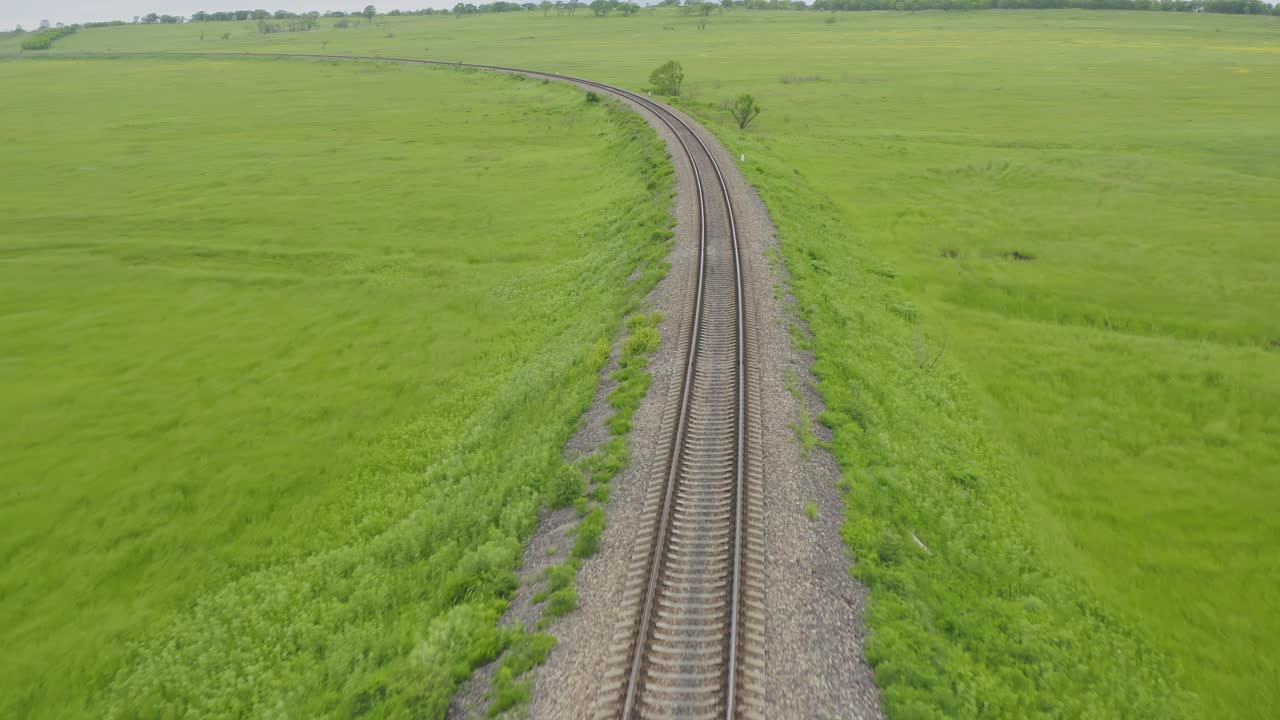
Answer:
(689, 638)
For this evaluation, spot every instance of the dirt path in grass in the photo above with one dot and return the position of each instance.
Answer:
(814, 637)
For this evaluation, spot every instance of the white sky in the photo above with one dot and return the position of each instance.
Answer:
(29, 13)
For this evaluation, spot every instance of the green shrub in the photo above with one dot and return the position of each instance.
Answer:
(667, 78)
(507, 692)
(526, 651)
(589, 531)
(487, 570)
(642, 341)
(559, 577)
(566, 487)
(600, 493)
(559, 603)
(44, 39)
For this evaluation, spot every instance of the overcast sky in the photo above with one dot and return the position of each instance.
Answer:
(29, 13)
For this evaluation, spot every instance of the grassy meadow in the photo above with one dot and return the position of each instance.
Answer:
(1037, 253)
(291, 350)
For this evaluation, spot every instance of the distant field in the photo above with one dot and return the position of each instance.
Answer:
(290, 352)
(1037, 251)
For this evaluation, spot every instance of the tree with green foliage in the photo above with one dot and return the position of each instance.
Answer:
(667, 78)
(744, 110)
(370, 12)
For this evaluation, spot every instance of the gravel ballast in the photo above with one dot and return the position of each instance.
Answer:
(814, 635)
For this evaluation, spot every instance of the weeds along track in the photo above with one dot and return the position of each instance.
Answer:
(690, 632)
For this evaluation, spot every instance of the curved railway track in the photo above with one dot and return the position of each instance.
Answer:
(689, 640)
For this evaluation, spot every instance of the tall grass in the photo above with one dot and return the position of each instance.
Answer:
(978, 624)
(288, 393)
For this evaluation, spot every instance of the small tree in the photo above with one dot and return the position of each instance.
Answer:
(744, 110)
(667, 78)
(369, 12)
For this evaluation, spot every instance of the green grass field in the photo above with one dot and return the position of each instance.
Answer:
(291, 352)
(1037, 253)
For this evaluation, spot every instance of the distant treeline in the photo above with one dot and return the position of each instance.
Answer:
(604, 7)
(242, 15)
(1231, 7)
(460, 9)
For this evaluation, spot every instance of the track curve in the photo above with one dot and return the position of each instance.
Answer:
(689, 638)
